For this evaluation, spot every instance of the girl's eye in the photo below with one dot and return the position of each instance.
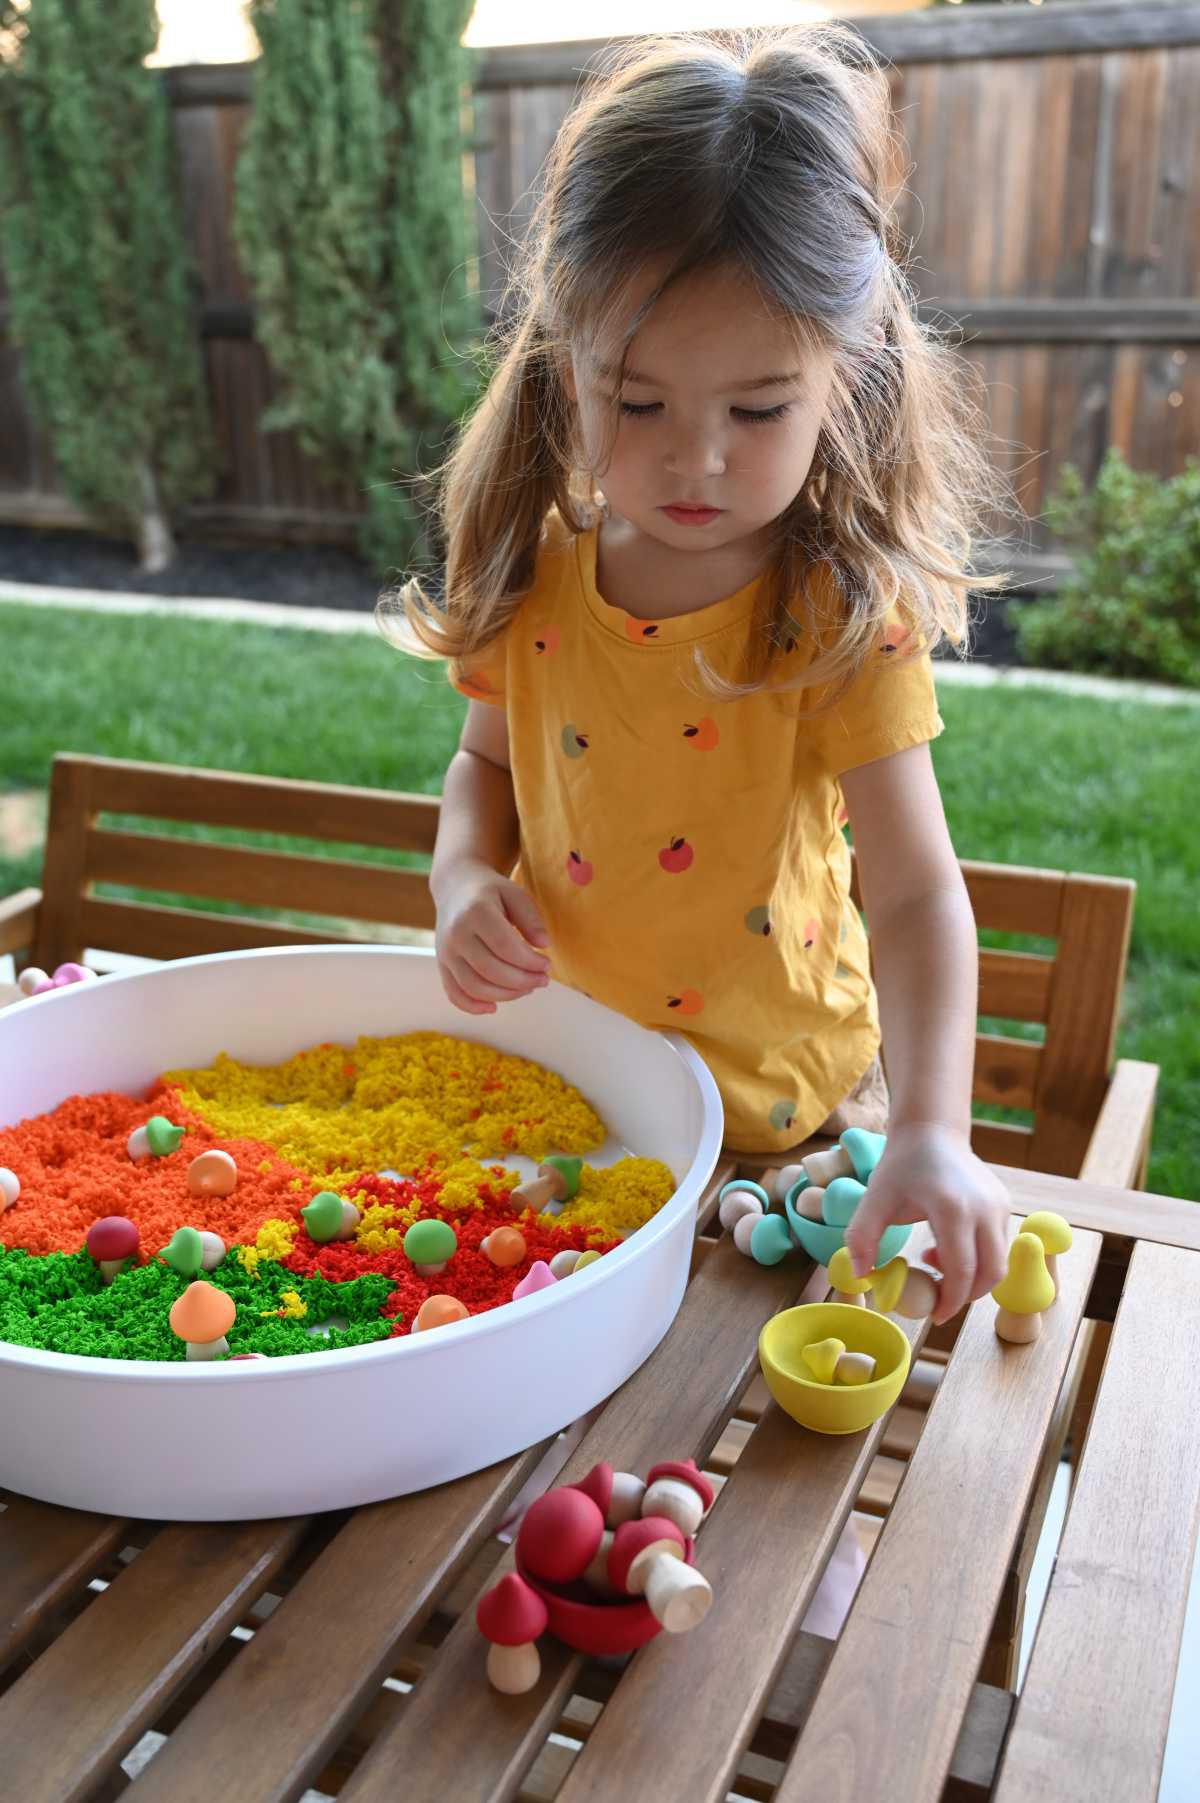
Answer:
(742, 413)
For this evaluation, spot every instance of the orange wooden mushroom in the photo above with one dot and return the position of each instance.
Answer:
(203, 1316)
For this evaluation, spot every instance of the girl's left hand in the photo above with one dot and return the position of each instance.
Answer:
(928, 1172)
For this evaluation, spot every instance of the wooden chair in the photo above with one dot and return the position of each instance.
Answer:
(1088, 1118)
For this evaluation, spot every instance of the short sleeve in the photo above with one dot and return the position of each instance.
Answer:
(482, 675)
(890, 705)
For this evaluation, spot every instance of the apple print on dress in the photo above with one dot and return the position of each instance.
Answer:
(758, 920)
(640, 631)
(703, 736)
(782, 1115)
(477, 687)
(547, 640)
(688, 1001)
(896, 638)
(574, 743)
(579, 870)
(812, 932)
(676, 856)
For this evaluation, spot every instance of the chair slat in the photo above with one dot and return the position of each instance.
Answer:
(1091, 1721)
(268, 1724)
(19, 920)
(788, 1498)
(1005, 900)
(268, 804)
(71, 812)
(264, 879)
(68, 1720)
(46, 1555)
(1081, 1022)
(998, 1143)
(1015, 985)
(150, 931)
(467, 1741)
(911, 1646)
(1006, 1070)
(1120, 1139)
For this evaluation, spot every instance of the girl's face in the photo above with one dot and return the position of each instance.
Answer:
(695, 425)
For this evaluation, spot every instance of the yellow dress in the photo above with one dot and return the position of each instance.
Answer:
(687, 854)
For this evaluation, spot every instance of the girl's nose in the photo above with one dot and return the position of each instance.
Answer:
(695, 455)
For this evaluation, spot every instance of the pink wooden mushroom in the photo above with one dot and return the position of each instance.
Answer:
(111, 1241)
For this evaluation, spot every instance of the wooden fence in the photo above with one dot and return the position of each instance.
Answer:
(1052, 196)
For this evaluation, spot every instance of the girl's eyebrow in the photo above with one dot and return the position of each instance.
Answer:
(636, 375)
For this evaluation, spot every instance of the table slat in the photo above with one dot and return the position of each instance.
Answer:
(46, 1555)
(1091, 1722)
(466, 1740)
(910, 1650)
(272, 1718)
(763, 1549)
(67, 1722)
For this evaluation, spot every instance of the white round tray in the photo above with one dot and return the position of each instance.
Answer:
(226, 1442)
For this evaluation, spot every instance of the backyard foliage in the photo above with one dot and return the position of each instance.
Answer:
(1131, 605)
(354, 228)
(95, 263)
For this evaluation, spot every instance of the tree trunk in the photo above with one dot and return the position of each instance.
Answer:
(156, 543)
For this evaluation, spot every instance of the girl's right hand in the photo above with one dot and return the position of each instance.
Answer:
(488, 929)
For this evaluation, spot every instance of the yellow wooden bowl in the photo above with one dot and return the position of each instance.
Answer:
(832, 1408)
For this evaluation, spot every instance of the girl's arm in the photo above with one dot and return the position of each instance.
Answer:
(485, 922)
(925, 961)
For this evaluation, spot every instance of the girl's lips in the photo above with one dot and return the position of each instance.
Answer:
(692, 515)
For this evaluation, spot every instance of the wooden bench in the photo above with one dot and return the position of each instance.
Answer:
(1088, 1119)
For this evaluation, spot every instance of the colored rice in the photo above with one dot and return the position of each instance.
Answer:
(425, 1109)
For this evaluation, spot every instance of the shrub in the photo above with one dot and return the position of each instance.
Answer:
(1131, 606)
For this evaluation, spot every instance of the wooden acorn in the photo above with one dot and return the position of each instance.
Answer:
(556, 1182)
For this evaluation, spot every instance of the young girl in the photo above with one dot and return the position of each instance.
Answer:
(703, 532)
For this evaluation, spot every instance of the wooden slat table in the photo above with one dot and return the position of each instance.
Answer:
(339, 1653)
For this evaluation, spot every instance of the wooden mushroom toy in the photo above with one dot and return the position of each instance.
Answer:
(1055, 1235)
(556, 1182)
(439, 1311)
(504, 1247)
(327, 1217)
(212, 1173)
(112, 1242)
(740, 1199)
(679, 1491)
(856, 1154)
(560, 1535)
(203, 1316)
(10, 1187)
(821, 1357)
(158, 1138)
(648, 1559)
(538, 1277)
(512, 1615)
(846, 1286)
(430, 1245)
(1024, 1292)
(898, 1287)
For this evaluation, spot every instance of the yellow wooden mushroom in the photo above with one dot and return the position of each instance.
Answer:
(1023, 1292)
(1055, 1235)
(821, 1357)
(898, 1286)
(841, 1275)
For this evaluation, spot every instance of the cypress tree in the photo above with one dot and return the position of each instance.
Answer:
(99, 285)
(354, 228)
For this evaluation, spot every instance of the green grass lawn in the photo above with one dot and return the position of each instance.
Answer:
(1029, 777)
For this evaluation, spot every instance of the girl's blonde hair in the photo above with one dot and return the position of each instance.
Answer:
(767, 152)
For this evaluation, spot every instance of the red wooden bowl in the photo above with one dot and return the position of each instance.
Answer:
(589, 1624)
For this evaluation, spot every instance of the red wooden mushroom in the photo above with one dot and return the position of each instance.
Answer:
(512, 1615)
(559, 1535)
(647, 1559)
(111, 1241)
(680, 1491)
